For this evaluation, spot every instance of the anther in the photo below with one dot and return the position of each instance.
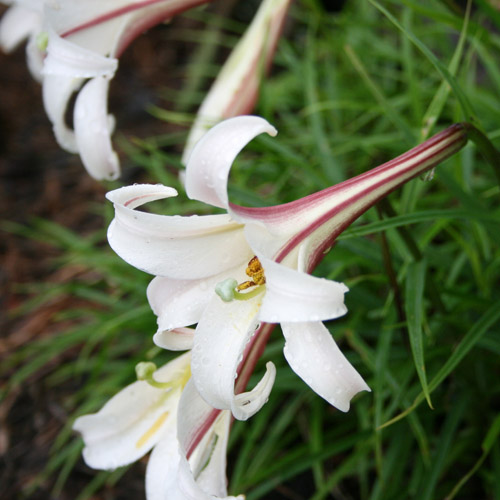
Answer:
(255, 271)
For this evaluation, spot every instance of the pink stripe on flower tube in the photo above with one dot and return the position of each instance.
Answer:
(453, 137)
(382, 181)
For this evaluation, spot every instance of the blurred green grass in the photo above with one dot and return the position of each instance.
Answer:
(349, 90)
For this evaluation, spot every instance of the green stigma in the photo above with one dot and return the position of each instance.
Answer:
(145, 371)
(227, 291)
(42, 40)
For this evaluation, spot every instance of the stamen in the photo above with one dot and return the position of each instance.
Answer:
(152, 430)
(145, 370)
(256, 271)
(252, 293)
(229, 290)
(245, 285)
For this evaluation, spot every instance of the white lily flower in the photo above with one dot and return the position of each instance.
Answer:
(85, 40)
(143, 417)
(236, 87)
(135, 420)
(189, 255)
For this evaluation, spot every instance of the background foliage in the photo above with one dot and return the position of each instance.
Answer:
(349, 89)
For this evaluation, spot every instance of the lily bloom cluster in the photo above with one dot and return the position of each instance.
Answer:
(233, 275)
(74, 46)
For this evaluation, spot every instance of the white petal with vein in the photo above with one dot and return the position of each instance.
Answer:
(93, 131)
(17, 24)
(315, 357)
(178, 339)
(179, 303)
(131, 422)
(293, 296)
(208, 167)
(57, 91)
(174, 246)
(163, 467)
(65, 58)
(220, 339)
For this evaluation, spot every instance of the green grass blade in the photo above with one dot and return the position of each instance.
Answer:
(473, 336)
(467, 110)
(437, 104)
(415, 282)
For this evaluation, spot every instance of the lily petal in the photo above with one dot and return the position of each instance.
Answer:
(212, 477)
(93, 131)
(178, 247)
(219, 343)
(17, 24)
(295, 297)
(56, 91)
(197, 417)
(163, 466)
(131, 422)
(208, 167)
(178, 339)
(204, 477)
(314, 356)
(65, 58)
(179, 303)
(34, 59)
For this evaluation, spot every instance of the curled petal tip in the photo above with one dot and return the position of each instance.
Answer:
(207, 170)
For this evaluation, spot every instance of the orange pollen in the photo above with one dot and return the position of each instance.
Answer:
(254, 271)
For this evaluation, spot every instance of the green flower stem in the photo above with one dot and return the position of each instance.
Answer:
(389, 268)
(387, 208)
